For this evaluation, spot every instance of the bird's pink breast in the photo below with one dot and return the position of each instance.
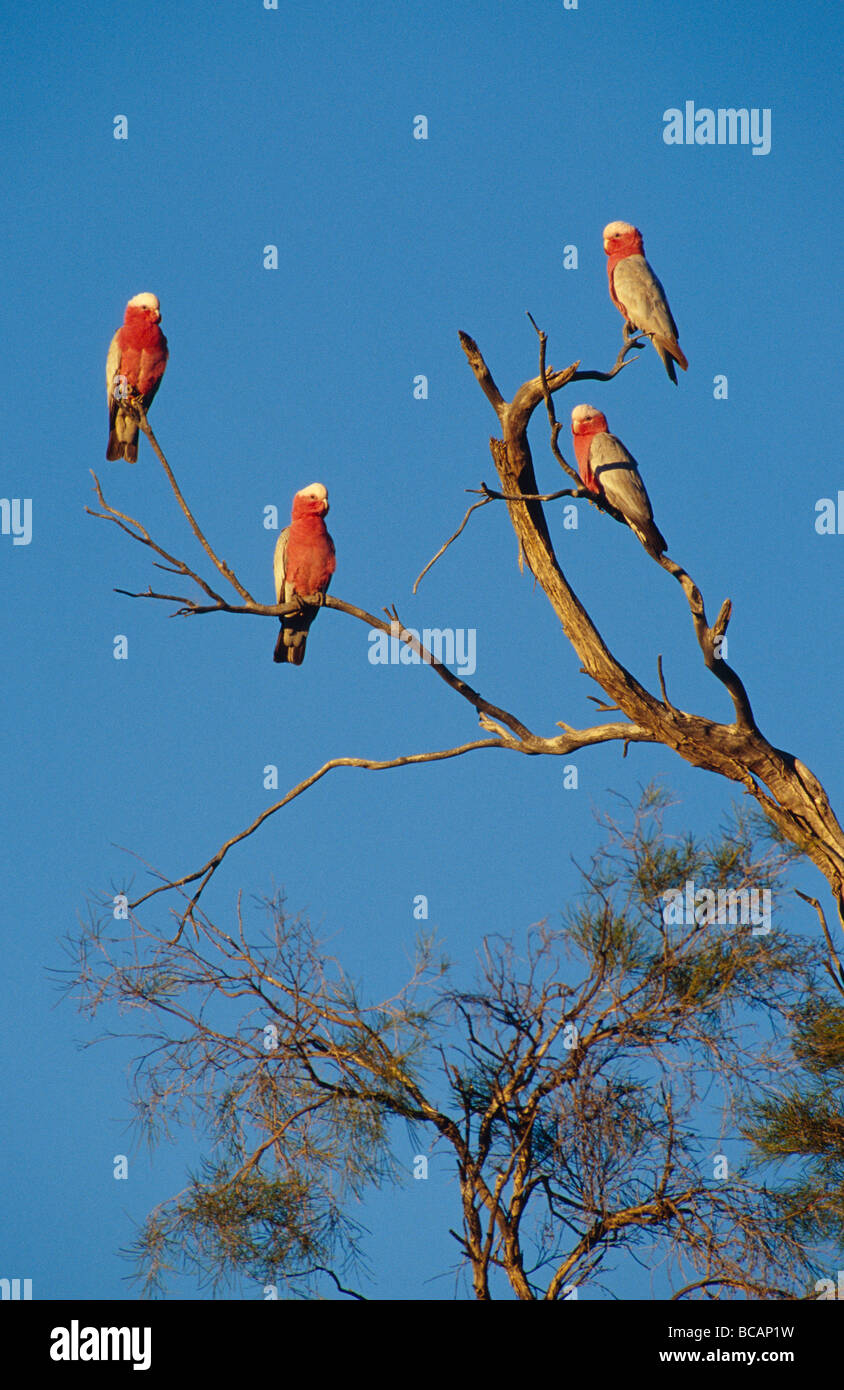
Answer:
(143, 351)
(582, 444)
(310, 560)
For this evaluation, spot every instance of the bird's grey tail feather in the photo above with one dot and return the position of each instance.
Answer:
(291, 651)
(669, 364)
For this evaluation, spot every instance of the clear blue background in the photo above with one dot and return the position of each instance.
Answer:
(294, 127)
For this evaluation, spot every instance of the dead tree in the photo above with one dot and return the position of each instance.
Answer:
(786, 790)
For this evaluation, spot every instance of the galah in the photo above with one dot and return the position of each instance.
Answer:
(608, 469)
(303, 564)
(638, 295)
(135, 365)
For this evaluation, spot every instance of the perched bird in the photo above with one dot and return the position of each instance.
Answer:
(135, 365)
(608, 469)
(638, 295)
(303, 564)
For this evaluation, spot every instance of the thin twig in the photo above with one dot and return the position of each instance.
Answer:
(488, 495)
(620, 362)
(206, 872)
(662, 682)
(221, 565)
(493, 496)
(444, 548)
(710, 638)
(549, 403)
(839, 979)
(191, 608)
(141, 534)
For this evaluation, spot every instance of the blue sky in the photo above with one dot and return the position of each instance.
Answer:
(293, 127)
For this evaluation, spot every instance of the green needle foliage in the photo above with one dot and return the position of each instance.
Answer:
(804, 1124)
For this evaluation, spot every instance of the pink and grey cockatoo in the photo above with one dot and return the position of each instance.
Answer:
(303, 564)
(135, 365)
(638, 295)
(608, 469)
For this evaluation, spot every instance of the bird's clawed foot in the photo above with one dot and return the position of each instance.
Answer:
(632, 336)
(123, 391)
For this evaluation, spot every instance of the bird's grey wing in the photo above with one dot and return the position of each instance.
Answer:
(280, 563)
(112, 368)
(618, 474)
(643, 297)
(333, 552)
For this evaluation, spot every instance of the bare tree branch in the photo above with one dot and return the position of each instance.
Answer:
(834, 967)
(788, 792)
(444, 548)
(139, 533)
(221, 565)
(208, 869)
(509, 732)
(529, 743)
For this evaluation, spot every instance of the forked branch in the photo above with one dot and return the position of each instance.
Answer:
(788, 792)
(508, 731)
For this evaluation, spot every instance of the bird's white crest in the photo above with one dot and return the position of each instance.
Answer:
(584, 412)
(144, 301)
(314, 490)
(618, 229)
